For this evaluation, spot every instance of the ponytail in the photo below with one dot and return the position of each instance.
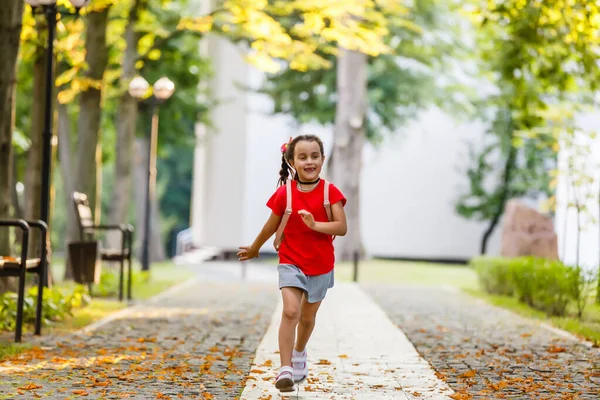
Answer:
(284, 172)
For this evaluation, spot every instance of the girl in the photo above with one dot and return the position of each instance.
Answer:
(305, 249)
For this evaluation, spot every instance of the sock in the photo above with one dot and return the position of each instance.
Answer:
(298, 353)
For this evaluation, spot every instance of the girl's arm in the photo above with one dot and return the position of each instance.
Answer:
(337, 226)
(248, 252)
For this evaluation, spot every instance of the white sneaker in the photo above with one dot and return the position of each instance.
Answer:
(300, 365)
(285, 380)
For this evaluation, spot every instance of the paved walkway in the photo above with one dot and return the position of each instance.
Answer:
(200, 340)
(485, 352)
(355, 352)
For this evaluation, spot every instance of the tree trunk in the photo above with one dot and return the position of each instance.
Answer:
(87, 169)
(11, 15)
(90, 113)
(349, 132)
(65, 155)
(16, 205)
(157, 251)
(126, 123)
(509, 166)
(33, 174)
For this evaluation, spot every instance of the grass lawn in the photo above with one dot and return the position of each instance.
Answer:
(415, 273)
(587, 328)
(161, 277)
(464, 278)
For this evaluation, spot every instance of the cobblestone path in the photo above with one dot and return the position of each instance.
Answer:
(196, 343)
(485, 352)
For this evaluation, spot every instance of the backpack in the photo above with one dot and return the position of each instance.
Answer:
(288, 210)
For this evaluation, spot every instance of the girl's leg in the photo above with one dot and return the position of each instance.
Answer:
(308, 315)
(290, 317)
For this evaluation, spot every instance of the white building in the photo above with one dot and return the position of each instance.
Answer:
(409, 185)
(587, 251)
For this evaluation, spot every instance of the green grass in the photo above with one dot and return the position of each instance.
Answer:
(96, 310)
(415, 273)
(588, 327)
(162, 276)
(12, 349)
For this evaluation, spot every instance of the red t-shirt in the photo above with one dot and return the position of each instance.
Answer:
(308, 250)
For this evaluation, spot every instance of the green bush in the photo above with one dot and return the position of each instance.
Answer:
(546, 285)
(554, 286)
(494, 275)
(57, 304)
(523, 275)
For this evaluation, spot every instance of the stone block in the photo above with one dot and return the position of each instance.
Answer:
(527, 232)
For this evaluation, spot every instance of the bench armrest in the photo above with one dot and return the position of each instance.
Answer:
(20, 223)
(41, 225)
(126, 230)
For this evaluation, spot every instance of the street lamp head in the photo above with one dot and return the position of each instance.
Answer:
(79, 3)
(138, 87)
(164, 88)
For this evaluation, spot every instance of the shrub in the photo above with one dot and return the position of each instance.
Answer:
(546, 285)
(554, 286)
(494, 275)
(523, 276)
(57, 304)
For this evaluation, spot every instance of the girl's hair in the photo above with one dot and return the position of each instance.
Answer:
(288, 154)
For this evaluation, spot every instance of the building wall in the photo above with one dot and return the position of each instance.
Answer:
(409, 189)
(220, 188)
(566, 217)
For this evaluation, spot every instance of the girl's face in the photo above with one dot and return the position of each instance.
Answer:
(308, 160)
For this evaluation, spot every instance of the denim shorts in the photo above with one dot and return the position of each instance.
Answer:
(315, 287)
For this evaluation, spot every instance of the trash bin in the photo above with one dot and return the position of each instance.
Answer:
(83, 257)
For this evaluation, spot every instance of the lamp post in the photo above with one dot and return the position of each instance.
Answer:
(161, 91)
(50, 10)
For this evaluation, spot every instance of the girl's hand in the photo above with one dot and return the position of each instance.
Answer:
(247, 253)
(308, 218)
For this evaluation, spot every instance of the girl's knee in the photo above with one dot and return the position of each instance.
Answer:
(291, 313)
(308, 318)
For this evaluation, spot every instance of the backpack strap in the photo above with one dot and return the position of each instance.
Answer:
(286, 215)
(326, 202)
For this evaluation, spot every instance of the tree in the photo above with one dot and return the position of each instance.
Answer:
(11, 14)
(126, 123)
(537, 54)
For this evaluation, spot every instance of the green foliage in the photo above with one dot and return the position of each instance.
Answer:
(58, 303)
(176, 176)
(537, 55)
(494, 274)
(546, 285)
(400, 82)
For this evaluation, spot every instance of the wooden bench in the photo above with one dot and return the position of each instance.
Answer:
(87, 231)
(20, 266)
